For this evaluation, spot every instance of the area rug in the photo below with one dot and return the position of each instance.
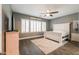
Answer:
(46, 46)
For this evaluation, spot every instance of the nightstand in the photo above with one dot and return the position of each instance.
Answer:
(75, 37)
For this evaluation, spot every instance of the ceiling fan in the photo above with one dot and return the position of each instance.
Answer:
(49, 13)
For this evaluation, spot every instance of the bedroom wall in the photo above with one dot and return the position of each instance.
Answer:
(78, 21)
(17, 24)
(0, 28)
(64, 19)
(8, 12)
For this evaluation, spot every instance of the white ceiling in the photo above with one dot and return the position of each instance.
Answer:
(36, 9)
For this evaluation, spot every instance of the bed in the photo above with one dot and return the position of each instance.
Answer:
(60, 32)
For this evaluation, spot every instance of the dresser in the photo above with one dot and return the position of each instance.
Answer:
(12, 43)
(75, 37)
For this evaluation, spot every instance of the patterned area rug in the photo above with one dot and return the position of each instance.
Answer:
(46, 46)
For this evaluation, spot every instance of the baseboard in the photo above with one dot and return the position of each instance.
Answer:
(31, 37)
(4, 53)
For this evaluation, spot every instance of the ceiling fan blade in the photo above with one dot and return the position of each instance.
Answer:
(53, 12)
(51, 15)
(44, 13)
(50, 12)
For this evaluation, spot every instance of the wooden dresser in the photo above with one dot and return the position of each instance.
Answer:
(12, 43)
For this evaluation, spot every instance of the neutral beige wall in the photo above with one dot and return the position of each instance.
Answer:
(6, 8)
(64, 19)
(0, 28)
(17, 24)
(78, 21)
(0, 9)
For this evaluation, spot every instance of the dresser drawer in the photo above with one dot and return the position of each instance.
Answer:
(75, 37)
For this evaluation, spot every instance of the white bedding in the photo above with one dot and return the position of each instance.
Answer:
(63, 33)
(58, 36)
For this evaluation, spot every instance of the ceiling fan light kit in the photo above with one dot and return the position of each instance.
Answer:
(49, 13)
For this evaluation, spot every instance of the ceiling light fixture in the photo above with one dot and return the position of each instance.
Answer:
(49, 13)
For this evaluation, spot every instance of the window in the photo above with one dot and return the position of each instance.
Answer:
(27, 25)
(43, 26)
(24, 25)
(32, 26)
(35, 26)
(38, 26)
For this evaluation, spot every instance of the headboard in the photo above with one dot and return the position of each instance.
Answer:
(62, 27)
